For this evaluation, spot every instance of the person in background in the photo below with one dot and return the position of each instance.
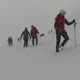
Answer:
(10, 41)
(25, 34)
(34, 34)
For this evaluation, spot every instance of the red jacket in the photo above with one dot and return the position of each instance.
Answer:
(61, 20)
(34, 32)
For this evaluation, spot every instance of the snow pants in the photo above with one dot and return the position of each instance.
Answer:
(33, 40)
(58, 39)
(25, 43)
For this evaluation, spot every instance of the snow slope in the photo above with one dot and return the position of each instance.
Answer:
(39, 62)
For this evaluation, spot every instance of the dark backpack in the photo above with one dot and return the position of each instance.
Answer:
(56, 24)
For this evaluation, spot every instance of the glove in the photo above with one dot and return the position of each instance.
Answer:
(38, 32)
(73, 21)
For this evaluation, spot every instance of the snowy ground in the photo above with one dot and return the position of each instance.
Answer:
(39, 62)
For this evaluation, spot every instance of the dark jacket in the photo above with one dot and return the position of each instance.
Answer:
(25, 34)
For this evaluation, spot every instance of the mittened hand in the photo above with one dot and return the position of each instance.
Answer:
(75, 24)
(38, 32)
(74, 21)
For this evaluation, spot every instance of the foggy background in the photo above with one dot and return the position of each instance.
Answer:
(15, 15)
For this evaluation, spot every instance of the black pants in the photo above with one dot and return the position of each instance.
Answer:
(58, 39)
(25, 43)
(33, 40)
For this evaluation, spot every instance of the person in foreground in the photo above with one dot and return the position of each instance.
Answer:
(59, 26)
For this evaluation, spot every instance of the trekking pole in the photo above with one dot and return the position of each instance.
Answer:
(51, 39)
(75, 33)
(71, 40)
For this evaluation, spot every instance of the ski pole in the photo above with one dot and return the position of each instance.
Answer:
(51, 39)
(75, 33)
